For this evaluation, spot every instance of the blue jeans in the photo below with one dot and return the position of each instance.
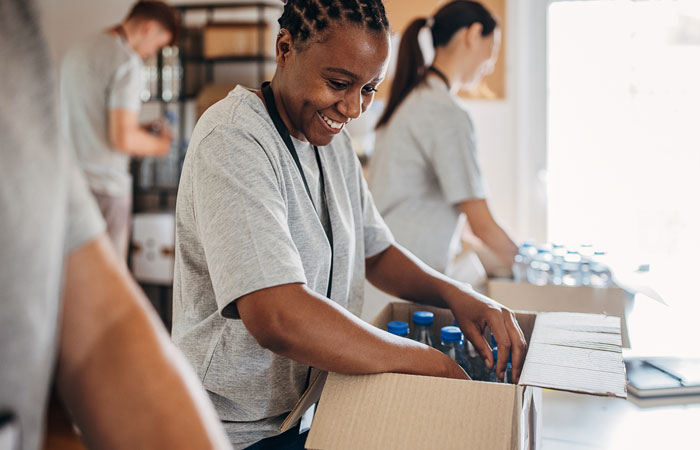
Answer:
(289, 440)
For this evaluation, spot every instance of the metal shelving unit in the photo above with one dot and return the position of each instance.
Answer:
(162, 198)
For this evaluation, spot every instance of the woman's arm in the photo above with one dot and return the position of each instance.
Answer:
(295, 322)
(397, 272)
(484, 227)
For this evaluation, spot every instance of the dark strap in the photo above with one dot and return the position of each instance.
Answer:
(269, 97)
(442, 76)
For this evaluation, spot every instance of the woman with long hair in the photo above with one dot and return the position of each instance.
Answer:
(424, 174)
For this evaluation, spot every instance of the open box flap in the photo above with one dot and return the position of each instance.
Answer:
(317, 379)
(576, 352)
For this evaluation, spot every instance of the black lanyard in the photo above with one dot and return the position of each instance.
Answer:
(269, 97)
(440, 75)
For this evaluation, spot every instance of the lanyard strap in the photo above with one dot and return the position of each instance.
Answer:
(269, 97)
(441, 75)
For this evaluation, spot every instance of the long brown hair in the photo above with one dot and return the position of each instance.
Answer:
(410, 68)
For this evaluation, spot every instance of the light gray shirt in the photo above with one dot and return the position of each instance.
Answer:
(97, 75)
(244, 222)
(47, 211)
(424, 164)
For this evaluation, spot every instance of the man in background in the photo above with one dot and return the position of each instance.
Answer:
(101, 85)
(67, 303)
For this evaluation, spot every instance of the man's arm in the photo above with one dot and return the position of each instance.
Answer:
(487, 229)
(125, 383)
(397, 272)
(128, 136)
(295, 322)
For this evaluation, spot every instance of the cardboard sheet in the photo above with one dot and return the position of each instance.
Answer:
(576, 352)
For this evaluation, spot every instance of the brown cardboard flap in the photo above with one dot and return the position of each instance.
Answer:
(576, 352)
(611, 301)
(393, 411)
(310, 396)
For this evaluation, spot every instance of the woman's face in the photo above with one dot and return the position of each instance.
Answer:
(325, 83)
(487, 48)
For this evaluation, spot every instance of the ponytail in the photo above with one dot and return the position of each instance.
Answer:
(410, 69)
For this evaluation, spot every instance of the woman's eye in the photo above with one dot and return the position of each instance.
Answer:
(337, 84)
(369, 90)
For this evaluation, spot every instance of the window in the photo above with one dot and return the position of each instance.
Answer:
(623, 132)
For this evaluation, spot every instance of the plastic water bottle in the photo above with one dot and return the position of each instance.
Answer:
(540, 270)
(479, 371)
(398, 327)
(586, 251)
(600, 272)
(522, 261)
(571, 269)
(508, 375)
(452, 345)
(422, 328)
(558, 253)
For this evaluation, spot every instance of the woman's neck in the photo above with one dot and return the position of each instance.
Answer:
(449, 68)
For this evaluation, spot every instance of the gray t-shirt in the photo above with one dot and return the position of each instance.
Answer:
(99, 74)
(46, 212)
(244, 222)
(424, 164)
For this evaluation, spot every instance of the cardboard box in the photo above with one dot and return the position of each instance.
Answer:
(567, 351)
(220, 40)
(210, 94)
(612, 301)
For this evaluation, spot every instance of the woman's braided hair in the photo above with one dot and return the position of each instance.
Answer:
(306, 18)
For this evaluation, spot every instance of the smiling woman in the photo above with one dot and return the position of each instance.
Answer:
(276, 231)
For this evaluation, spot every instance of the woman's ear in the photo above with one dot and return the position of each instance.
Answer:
(283, 46)
(473, 34)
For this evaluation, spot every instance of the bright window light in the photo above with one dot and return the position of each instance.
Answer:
(624, 135)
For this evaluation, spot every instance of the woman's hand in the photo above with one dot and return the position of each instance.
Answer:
(474, 312)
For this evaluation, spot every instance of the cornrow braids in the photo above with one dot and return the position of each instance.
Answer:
(308, 18)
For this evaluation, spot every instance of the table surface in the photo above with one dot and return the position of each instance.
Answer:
(575, 421)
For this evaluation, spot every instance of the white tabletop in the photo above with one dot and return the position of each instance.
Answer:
(575, 421)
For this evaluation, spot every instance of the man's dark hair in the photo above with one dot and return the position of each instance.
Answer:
(158, 11)
(306, 18)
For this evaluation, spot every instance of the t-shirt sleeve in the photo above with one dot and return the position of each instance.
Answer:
(377, 235)
(125, 89)
(85, 222)
(454, 158)
(241, 218)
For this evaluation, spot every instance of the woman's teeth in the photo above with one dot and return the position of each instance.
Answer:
(330, 123)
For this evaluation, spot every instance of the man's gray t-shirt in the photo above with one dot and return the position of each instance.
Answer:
(47, 211)
(244, 222)
(424, 164)
(99, 74)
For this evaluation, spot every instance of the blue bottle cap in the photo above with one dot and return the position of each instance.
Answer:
(451, 334)
(423, 318)
(397, 327)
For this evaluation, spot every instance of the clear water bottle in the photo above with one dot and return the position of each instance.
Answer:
(452, 344)
(479, 371)
(599, 271)
(540, 270)
(571, 269)
(558, 253)
(422, 328)
(522, 261)
(398, 327)
(586, 251)
(492, 375)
